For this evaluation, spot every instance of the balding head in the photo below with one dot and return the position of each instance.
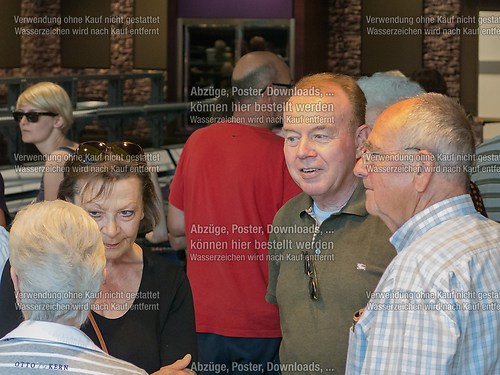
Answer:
(254, 61)
(436, 123)
(417, 154)
(255, 71)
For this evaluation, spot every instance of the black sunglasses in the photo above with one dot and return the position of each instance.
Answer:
(96, 152)
(31, 116)
(310, 271)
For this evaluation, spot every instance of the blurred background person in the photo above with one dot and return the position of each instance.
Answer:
(383, 89)
(45, 114)
(431, 80)
(257, 43)
(230, 181)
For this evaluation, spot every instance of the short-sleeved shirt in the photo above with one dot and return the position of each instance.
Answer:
(230, 182)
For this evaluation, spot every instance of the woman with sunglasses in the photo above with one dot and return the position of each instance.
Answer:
(144, 312)
(45, 114)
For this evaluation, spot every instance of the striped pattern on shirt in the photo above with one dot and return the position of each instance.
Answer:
(29, 356)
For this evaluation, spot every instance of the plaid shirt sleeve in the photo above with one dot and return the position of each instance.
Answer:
(403, 342)
(436, 308)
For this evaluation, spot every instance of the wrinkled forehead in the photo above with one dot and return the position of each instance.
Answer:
(110, 194)
(315, 107)
(91, 189)
(390, 125)
(324, 92)
(395, 118)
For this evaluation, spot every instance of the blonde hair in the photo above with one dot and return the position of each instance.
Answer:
(48, 96)
(57, 252)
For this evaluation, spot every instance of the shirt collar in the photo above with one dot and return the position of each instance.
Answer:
(48, 331)
(355, 205)
(429, 218)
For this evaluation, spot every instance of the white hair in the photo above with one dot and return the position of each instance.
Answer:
(439, 124)
(57, 252)
(383, 89)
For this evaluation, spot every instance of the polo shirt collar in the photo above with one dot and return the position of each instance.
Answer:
(355, 205)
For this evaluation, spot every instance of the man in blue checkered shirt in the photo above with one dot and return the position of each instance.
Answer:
(436, 309)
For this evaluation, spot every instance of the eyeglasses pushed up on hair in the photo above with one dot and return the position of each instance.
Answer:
(96, 152)
(310, 271)
(31, 116)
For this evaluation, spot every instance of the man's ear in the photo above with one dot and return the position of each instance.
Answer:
(361, 135)
(266, 98)
(425, 169)
(15, 281)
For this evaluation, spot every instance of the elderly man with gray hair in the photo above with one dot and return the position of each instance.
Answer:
(57, 258)
(436, 308)
(384, 89)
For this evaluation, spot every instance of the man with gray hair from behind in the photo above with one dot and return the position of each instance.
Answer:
(436, 307)
(57, 258)
(383, 89)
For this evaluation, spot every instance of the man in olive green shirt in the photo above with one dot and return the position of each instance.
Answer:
(326, 254)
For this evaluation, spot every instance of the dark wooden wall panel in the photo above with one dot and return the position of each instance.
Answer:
(86, 50)
(150, 51)
(311, 37)
(388, 52)
(10, 43)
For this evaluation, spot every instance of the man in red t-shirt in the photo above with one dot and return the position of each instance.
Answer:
(230, 182)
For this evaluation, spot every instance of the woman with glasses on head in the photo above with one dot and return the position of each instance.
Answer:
(95, 151)
(144, 312)
(45, 114)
